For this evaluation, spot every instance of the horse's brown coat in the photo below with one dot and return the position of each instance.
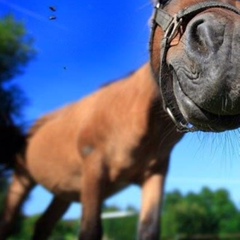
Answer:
(72, 137)
(91, 149)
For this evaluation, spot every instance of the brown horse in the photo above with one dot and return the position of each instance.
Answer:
(94, 148)
(121, 135)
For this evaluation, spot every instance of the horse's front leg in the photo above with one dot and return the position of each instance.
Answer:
(92, 191)
(18, 191)
(48, 220)
(152, 191)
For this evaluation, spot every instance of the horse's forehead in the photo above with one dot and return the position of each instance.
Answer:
(174, 6)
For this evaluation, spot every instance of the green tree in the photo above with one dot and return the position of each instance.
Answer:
(16, 50)
(208, 212)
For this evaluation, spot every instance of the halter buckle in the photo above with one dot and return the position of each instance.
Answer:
(181, 127)
(172, 30)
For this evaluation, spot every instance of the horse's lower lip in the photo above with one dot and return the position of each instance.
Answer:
(200, 118)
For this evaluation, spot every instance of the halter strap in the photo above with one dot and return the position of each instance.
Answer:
(171, 26)
(165, 20)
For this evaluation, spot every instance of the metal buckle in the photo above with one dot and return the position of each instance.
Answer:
(172, 30)
(158, 5)
(181, 127)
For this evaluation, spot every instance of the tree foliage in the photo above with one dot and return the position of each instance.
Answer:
(16, 50)
(208, 212)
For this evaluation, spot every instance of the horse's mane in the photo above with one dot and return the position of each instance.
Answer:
(110, 82)
(43, 120)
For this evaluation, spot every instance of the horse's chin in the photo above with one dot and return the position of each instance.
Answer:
(200, 118)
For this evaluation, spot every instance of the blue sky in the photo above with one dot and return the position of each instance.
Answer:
(89, 44)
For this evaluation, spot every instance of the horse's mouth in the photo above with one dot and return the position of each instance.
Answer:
(200, 118)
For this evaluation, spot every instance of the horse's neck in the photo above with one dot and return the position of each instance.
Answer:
(143, 80)
(144, 84)
(149, 109)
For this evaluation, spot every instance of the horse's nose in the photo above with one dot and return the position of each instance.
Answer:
(205, 34)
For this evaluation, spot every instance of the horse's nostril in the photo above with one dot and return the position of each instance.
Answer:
(199, 36)
(204, 36)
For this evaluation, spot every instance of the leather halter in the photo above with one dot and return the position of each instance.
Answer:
(171, 26)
